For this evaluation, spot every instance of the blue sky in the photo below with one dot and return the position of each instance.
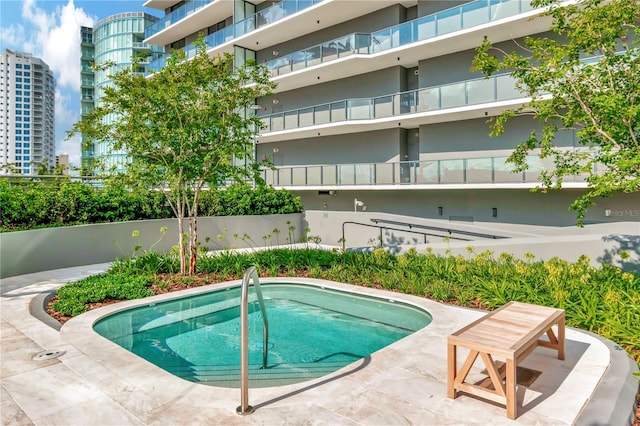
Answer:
(50, 30)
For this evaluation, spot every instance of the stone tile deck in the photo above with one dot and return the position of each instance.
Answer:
(98, 383)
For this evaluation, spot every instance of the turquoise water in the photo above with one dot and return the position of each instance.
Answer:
(313, 331)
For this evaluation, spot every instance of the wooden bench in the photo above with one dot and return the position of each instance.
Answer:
(511, 332)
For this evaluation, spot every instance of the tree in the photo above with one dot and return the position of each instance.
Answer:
(584, 76)
(184, 128)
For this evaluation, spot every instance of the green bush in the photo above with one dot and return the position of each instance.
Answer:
(73, 298)
(602, 300)
(37, 204)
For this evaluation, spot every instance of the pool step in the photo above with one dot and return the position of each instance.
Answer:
(275, 375)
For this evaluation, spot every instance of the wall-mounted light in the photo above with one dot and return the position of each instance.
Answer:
(276, 149)
(358, 203)
(275, 53)
(332, 193)
(276, 101)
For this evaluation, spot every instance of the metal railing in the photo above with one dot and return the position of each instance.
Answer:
(457, 18)
(470, 92)
(244, 407)
(454, 19)
(485, 170)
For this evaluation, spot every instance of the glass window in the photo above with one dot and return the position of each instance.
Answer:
(18, 72)
(19, 79)
(27, 151)
(18, 86)
(27, 67)
(27, 158)
(18, 151)
(26, 86)
(19, 145)
(19, 66)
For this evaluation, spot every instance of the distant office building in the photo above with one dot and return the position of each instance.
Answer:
(27, 113)
(62, 163)
(116, 39)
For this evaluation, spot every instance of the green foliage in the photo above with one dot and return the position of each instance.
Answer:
(64, 202)
(242, 200)
(602, 300)
(73, 298)
(598, 98)
(184, 128)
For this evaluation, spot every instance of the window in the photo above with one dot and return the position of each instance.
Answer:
(27, 67)
(18, 145)
(27, 151)
(18, 72)
(19, 66)
(27, 73)
(18, 151)
(18, 125)
(18, 86)
(18, 99)
(27, 126)
(19, 157)
(18, 105)
(27, 138)
(26, 86)
(18, 92)
(19, 79)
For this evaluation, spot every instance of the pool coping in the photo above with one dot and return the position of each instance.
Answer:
(600, 408)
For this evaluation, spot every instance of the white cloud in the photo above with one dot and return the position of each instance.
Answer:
(13, 35)
(56, 39)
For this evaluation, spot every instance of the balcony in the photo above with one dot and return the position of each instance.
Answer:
(458, 18)
(257, 31)
(438, 174)
(154, 33)
(414, 104)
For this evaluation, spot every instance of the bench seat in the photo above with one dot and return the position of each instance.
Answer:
(511, 332)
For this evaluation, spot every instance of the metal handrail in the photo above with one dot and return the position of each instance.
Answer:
(252, 272)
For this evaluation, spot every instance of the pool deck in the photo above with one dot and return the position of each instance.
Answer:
(95, 382)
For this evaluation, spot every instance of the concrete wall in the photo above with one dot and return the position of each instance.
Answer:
(514, 206)
(25, 252)
(603, 243)
(470, 138)
(377, 83)
(365, 147)
(374, 21)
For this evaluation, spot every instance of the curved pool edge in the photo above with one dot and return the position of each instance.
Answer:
(141, 392)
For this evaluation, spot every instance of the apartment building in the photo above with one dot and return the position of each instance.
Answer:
(116, 39)
(377, 109)
(27, 113)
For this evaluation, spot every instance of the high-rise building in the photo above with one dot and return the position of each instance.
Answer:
(114, 40)
(376, 105)
(27, 114)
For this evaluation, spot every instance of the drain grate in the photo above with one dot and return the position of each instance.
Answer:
(50, 354)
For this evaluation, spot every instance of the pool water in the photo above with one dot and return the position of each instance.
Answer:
(313, 331)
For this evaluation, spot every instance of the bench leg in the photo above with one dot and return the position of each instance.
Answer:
(451, 370)
(561, 326)
(511, 388)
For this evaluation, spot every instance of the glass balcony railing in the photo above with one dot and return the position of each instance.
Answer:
(171, 18)
(454, 19)
(486, 170)
(265, 17)
(470, 92)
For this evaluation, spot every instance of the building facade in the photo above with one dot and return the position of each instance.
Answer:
(115, 40)
(27, 114)
(376, 107)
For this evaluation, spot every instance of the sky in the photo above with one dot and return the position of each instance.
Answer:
(50, 30)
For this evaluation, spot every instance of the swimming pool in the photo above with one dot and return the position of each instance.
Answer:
(313, 331)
